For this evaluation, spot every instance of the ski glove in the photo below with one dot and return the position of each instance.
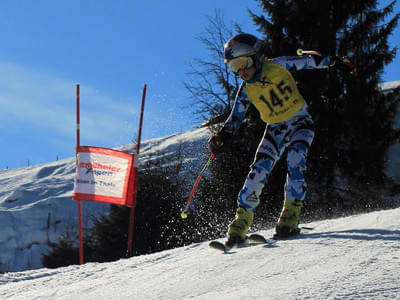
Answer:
(217, 143)
(344, 64)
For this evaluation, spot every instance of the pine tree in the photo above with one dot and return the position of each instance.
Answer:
(354, 119)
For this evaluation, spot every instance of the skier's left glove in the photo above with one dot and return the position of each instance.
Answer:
(217, 143)
(344, 64)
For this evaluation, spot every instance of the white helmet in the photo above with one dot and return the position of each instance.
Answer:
(242, 45)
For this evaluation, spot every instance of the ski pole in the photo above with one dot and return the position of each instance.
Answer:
(186, 210)
(300, 52)
(345, 60)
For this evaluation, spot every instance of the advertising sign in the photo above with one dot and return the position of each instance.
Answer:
(104, 175)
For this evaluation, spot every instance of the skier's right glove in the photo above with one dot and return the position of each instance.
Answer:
(344, 63)
(217, 143)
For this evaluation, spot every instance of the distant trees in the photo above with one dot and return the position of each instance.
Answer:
(64, 252)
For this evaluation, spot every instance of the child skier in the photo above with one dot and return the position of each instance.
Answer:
(269, 86)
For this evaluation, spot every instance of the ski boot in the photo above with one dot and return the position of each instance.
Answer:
(238, 228)
(289, 220)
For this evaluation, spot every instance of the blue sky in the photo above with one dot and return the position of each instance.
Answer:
(111, 48)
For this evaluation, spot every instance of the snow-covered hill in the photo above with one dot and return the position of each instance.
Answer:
(357, 257)
(36, 205)
(393, 168)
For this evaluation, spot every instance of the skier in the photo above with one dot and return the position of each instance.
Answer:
(270, 87)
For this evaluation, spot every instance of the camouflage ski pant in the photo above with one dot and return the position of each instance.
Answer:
(293, 136)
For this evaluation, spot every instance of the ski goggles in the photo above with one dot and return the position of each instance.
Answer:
(239, 63)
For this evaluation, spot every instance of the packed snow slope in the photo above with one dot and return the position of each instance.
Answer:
(356, 257)
(36, 205)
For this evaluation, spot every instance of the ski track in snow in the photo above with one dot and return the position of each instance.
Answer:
(357, 257)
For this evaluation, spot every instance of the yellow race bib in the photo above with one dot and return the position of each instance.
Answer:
(275, 94)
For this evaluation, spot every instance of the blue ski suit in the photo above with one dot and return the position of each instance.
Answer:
(274, 93)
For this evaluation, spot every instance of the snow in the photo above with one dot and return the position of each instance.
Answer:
(356, 257)
(387, 86)
(393, 167)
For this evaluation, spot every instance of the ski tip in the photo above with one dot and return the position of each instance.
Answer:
(258, 238)
(306, 228)
(217, 245)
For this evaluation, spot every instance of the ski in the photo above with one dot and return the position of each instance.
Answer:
(251, 240)
(217, 245)
(302, 231)
(256, 239)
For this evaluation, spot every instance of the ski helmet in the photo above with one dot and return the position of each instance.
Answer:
(242, 45)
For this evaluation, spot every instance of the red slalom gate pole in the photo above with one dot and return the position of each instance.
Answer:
(81, 256)
(132, 215)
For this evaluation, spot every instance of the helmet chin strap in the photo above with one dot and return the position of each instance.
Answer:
(258, 62)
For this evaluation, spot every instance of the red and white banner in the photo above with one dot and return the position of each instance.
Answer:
(104, 175)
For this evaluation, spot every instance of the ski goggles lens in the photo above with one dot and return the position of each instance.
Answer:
(243, 62)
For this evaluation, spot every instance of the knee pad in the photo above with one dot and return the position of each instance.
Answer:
(303, 135)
